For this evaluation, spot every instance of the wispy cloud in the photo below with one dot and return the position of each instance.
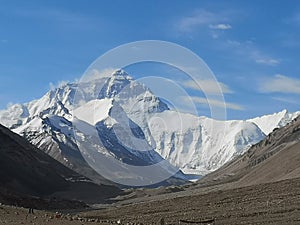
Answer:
(200, 18)
(286, 100)
(280, 84)
(96, 74)
(216, 103)
(262, 58)
(92, 75)
(220, 26)
(203, 18)
(267, 61)
(249, 50)
(58, 85)
(208, 86)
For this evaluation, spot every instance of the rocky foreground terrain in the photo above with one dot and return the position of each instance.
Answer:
(275, 203)
(272, 203)
(14, 215)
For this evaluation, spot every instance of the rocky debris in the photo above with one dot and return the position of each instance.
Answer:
(272, 203)
(19, 215)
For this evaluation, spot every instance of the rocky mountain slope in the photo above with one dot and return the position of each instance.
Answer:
(28, 171)
(199, 145)
(273, 159)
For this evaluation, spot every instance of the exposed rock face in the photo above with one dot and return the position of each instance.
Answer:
(28, 171)
(197, 145)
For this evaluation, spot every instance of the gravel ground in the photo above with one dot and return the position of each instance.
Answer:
(274, 203)
(14, 215)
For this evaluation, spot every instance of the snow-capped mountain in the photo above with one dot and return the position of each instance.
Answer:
(202, 145)
(268, 123)
(197, 145)
(47, 122)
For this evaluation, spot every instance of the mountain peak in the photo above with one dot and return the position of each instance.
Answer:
(120, 72)
(267, 123)
(115, 84)
(120, 75)
(285, 111)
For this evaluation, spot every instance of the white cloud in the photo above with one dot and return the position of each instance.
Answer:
(249, 50)
(208, 86)
(260, 59)
(220, 26)
(203, 18)
(281, 84)
(58, 85)
(233, 43)
(217, 103)
(96, 74)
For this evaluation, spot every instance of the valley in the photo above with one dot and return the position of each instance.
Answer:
(255, 179)
(149, 112)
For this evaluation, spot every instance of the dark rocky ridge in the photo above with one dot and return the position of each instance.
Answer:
(27, 172)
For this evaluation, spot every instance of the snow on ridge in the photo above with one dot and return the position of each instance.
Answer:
(94, 111)
(268, 123)
(198, 145)
(201, 145)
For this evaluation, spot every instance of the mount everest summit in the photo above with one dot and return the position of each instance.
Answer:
(148, 130)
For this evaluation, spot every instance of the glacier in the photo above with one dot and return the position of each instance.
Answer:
(196, 145)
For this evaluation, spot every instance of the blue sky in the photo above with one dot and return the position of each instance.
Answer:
(253, 47)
